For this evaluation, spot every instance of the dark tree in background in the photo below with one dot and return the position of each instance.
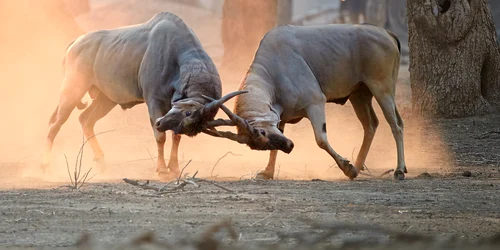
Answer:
(455, 58)
(244, 23)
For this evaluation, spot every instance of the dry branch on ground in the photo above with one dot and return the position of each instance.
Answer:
(179, 185)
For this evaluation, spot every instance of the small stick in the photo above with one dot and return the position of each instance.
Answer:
(330, 167)
(379, 176)
(212, 173)
(151, 157)
(144, 159)
(193, 183)
(143, 186)
(386, 172)
(263, 219)
(180, 174)
(215, 184)
(85, 176)
(367, 169)
(67, 167)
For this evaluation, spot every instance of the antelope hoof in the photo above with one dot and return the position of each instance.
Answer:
(167, 176)
(264, 176)
(399, 175)
(350, 171)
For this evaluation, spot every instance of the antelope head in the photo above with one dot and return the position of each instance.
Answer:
(190, 117)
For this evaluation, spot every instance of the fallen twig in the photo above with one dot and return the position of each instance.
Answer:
(180, 174)
(158, 190)
(151, 157)
(143, 159)
(378, 176)
(143, 186)
(180, 185)
(263, 219)
(215, 184)
(213, 168)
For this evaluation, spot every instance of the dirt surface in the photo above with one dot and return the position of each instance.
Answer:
(430, 205)
(436, 203)
(452, 187)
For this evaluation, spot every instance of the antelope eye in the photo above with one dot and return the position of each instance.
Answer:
(263, 132)
(188, 113)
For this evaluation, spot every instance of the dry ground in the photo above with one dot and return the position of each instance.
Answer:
(112, 212)
(436, 199)
(439, 203)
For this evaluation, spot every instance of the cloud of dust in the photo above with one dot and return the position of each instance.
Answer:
(32, 52)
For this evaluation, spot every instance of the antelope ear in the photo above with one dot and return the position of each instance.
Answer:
(185, 104)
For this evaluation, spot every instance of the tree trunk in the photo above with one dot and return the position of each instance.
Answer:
(397, 23)
(244, 23)
(454, 66)
(284, 12)
(495, 11)
(376, 12)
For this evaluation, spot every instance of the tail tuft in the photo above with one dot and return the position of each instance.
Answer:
(81, 105)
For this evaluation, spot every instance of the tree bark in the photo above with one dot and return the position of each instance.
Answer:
(355, 11)
(284, 12)
(376, 12)
(454, 66)
(397, 22)
(244, 23)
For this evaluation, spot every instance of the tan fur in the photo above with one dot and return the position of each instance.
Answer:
(255, 106)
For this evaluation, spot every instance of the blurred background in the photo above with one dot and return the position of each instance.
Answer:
(35, 34)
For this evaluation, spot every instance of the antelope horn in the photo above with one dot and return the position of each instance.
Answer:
(219, 122)
(238, 121)
(214, 105)
(242, 139)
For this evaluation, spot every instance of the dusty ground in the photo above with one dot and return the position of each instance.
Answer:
(436, 199)
(436, 205)
(439, 203)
